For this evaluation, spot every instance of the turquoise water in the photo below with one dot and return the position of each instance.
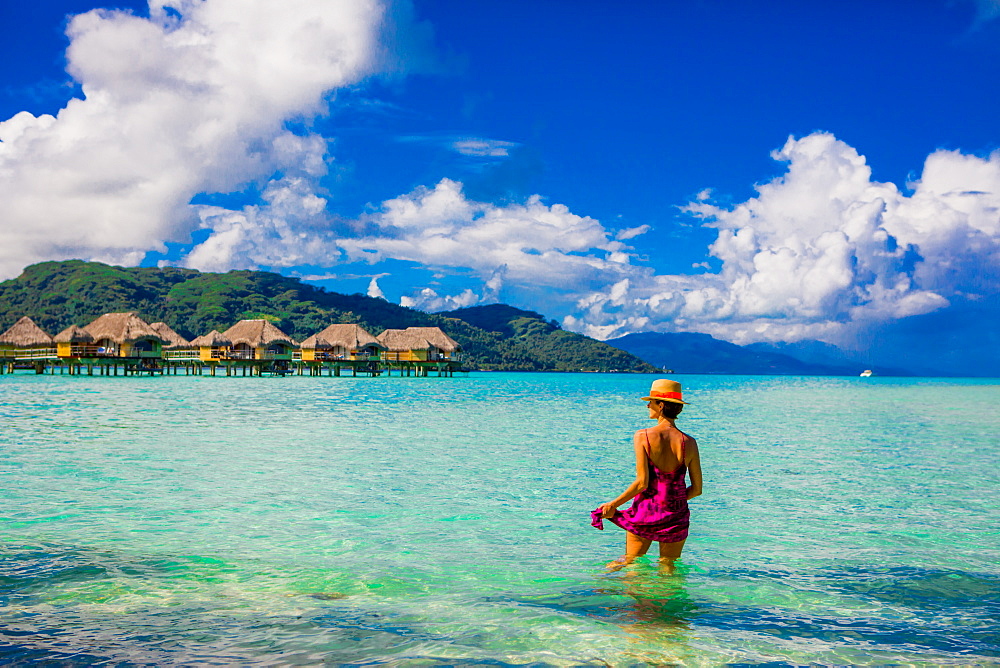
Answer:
(199, 520)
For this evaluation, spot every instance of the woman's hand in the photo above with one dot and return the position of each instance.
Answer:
(607, 509)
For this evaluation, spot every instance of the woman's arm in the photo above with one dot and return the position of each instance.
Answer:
(640, 482)
(694, 469)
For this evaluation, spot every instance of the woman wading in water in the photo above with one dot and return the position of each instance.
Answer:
(663, 454)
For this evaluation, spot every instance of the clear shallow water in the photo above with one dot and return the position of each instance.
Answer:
(400, 521)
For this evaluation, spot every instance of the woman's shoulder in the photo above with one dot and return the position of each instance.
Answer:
(688, 439)
(690, 446)
(663, 437)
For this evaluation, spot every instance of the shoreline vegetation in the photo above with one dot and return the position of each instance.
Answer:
(169, 320)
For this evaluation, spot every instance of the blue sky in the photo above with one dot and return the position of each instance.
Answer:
(759, 171)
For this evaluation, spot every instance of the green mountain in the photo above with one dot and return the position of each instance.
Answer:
(564, 350)
(59, 294)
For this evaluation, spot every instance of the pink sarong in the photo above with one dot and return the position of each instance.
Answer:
(660, 512)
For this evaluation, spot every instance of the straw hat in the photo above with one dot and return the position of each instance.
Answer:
(664, 389)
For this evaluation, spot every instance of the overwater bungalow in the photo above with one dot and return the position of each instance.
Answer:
(25, 339)
(258, 340)
(75, 341)
(341, 342)
(400, 346)
(211, 347)
(417, 344)
(125, 335)
(443, 346)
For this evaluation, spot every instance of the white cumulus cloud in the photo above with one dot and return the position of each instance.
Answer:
(428, 299)
(175, 106)
(373, 287)
(824, 249)
(819, 252)
(525, 244)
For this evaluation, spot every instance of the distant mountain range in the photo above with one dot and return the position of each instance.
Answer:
(700, 353)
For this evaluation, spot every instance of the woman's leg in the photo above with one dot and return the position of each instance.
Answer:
(635, 547)
(668, 553)
(671, 550)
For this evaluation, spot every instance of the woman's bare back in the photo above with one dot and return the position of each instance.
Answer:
(666, 446)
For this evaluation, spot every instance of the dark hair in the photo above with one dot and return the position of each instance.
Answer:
(670, 409)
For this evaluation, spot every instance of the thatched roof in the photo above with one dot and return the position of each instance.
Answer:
(122, 328)
(74, 334)
(213, 339)
(352, 337)
(436, 336)
(173, 339)
(400, 340)
(417, 338)
(26, 333)
(256, 333)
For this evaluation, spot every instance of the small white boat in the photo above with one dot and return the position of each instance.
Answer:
(865, 373)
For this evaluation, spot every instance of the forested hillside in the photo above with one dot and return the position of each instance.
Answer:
(567, 351)
(59, 294)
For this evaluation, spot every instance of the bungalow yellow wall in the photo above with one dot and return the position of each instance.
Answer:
(205, 353)
(308, 354)
(405, 356)
(64, 349)
(6, 350)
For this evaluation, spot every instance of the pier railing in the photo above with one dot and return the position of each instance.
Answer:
(31, 353)
(409, 356)
(109, 352)
(189, 355)
(255, 355)
(324, 356)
